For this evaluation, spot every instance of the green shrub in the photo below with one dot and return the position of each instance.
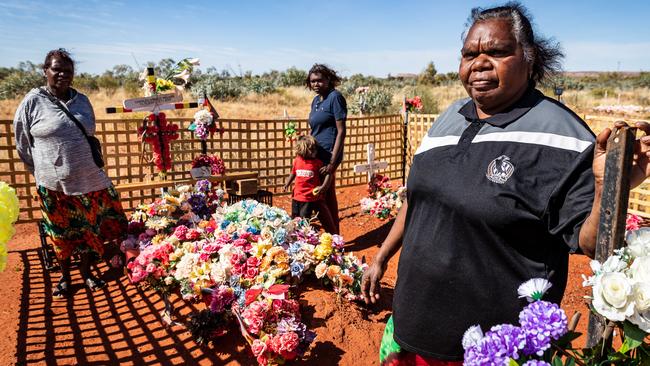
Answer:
(18, 83)
(219, 88)
(292, 77)
(259, 85)
(376, 100)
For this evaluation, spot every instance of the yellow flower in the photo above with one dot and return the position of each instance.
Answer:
(260, 248)
(6, 232)
(158, 239)
(321, 252)
(169, 199)
(326, 239)
(3, 257)
(139, 216)
(188, 246)
(203, 224)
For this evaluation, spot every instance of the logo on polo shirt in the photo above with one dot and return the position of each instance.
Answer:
(500, 169)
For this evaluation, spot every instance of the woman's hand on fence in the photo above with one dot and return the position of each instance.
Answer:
(326, 169)
(370, 282)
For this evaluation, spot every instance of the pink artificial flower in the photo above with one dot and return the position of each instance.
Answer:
(633, 222)
(286, 344)
(253, 262)
(251, 272)
(258, 347)
(193, 234)
(181, 232)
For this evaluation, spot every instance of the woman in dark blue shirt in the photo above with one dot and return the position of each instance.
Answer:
(327, 122)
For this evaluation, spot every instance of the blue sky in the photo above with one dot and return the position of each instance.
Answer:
(364, 36)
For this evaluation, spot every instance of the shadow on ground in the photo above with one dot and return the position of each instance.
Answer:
(120, 324)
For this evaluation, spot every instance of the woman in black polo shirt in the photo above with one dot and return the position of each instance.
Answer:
(327, 122)
(504, 186)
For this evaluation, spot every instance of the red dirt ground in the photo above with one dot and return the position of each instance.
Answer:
(121, 323)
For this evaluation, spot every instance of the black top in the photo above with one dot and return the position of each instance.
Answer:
(322, 121)
(491, 204)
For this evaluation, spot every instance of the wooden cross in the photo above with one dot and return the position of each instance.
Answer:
(372, 165)
(613, 212)
(161, 133)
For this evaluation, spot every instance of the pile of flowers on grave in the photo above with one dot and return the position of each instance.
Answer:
(243, 261)
(382, 201)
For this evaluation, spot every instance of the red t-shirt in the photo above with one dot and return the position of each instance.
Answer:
(307, 178)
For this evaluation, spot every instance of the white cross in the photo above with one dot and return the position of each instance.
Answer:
(372, 165)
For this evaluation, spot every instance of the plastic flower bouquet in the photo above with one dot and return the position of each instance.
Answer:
(621, 295)
(541, 325)
(382, 202)
(414, 104)
(270, 322)
(174, 79)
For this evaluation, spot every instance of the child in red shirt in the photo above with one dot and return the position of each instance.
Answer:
(308, 186)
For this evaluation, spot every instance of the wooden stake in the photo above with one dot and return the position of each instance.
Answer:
(613, 208)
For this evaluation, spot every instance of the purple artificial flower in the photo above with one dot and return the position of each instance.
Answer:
(502, 342)
(542, 321)
(201, 131)
(536, 363)
(203, 185)
(221, 297)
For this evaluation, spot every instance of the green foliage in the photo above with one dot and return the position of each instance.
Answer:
(429, 102)
(18, 83)
(220, 88)
(428, 76)
(292, 77)
(377, 100)
(259, 85)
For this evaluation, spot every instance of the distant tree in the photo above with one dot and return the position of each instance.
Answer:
(428, 76)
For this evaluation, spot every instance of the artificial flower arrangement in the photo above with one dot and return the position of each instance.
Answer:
(542, 331)
(205, 165)
(413, 105)
(382, 202)
(290, 131)
(9, 210)
(241, 260)
(175, 78)
(620, 295)
(159, 137)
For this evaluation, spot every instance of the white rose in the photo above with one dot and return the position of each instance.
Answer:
(611, 296)
(641, 296)
(614, 264)
(640, 269)
(217, 273)
(638, 242)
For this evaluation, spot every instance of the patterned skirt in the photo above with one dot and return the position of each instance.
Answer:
(82, 222)
(391, 354)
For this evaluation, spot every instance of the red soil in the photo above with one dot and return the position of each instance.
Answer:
(121, 323)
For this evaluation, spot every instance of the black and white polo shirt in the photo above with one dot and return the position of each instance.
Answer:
(491, 204)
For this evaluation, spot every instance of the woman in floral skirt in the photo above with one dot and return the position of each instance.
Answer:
(80, 206)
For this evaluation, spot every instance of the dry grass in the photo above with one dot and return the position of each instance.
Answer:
(296, 100)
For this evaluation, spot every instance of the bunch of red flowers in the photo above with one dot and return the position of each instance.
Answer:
(413, 104)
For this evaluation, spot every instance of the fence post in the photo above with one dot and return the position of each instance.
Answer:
(404, 141)
(613, 209)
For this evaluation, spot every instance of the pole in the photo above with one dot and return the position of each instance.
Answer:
(613, 210)
(405, 141)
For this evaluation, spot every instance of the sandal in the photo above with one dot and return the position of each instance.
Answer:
(62, 290)
(95, 284)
